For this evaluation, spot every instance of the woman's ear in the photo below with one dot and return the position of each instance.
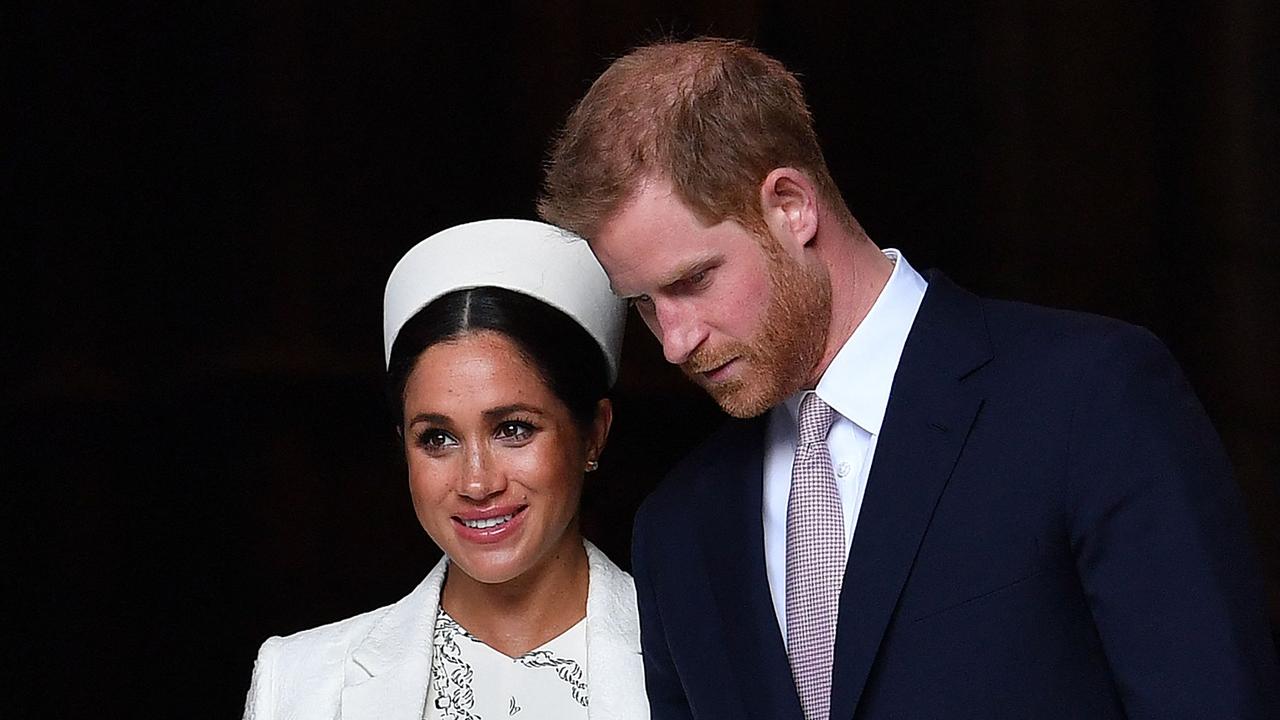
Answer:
(599, 434)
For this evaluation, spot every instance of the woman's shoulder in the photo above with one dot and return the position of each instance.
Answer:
(303, 672)
(332, 643)
(305, 643)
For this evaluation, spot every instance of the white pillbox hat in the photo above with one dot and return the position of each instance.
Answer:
(533, 258)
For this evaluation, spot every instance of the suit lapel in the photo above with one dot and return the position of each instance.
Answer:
(733, 538)
(927, 421)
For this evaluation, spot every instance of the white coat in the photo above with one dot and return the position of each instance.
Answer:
(377, 665)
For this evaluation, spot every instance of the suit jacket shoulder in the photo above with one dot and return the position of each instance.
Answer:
(701, 473)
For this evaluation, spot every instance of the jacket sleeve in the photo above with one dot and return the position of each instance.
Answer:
(667, 700)
(1161, 542)
(260, 703)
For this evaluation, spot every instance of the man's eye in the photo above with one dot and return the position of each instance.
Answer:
(643, 303)
(697, 279)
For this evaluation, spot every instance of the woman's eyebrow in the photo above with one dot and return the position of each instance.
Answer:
(504, 410)
(433, 418)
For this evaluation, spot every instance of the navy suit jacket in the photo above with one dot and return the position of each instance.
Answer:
(1050, 530)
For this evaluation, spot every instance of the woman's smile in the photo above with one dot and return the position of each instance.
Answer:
(489, 526)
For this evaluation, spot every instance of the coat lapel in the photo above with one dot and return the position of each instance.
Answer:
(615, 670)
(386, 676)
(395, 694)
(734, 543)
(927, 421)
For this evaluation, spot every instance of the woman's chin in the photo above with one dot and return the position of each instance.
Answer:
(491, 566)
(504, 563)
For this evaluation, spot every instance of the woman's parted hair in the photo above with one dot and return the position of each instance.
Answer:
(565, 355)
(711, 116)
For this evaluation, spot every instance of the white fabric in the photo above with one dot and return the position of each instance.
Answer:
(469, 678)
(856, 384)
(376, 666)
(539, 260)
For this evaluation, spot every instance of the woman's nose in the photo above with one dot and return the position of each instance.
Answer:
(481, 477)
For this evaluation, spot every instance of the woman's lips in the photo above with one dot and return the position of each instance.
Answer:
(490, 525)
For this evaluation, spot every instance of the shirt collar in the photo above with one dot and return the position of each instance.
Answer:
(857, 382)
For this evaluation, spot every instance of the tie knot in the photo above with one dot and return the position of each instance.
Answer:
(815, 419)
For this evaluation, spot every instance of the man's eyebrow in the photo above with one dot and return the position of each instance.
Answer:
(688, 268)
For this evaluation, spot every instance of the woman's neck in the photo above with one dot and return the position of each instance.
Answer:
(524, 613)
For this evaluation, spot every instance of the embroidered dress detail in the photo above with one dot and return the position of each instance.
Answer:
(472, 681)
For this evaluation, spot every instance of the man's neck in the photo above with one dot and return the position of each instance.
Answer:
(859, 272)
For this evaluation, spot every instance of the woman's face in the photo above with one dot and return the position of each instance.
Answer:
(495, 459)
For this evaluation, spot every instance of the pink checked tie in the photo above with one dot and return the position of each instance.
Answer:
(815, 560)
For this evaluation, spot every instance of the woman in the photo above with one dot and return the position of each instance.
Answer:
(502, 339)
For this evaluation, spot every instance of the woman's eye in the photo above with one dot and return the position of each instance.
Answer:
(514, 430)
(435, 439)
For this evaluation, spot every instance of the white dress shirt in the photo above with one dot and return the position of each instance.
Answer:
(856, 385)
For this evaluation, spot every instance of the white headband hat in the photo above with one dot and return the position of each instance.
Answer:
(533, 258)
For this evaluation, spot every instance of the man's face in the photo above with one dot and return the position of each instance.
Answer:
(741, 317)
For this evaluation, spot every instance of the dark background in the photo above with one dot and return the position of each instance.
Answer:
(205, 204)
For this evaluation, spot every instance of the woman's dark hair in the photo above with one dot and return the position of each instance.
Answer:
(569, 360)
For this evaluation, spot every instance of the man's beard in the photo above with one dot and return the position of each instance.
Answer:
(782, 355)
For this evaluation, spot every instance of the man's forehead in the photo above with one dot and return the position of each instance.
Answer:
(652, 193)
(626, 263)
(654, 240)
(641, 268)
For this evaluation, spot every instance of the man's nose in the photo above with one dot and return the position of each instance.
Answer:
(678, 329)
(481, 477)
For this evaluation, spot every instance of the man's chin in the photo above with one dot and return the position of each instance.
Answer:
(739, 400)
(747, 392)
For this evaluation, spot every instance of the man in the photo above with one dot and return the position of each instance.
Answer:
(935, 505)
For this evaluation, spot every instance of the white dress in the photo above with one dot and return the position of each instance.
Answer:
(472, 681)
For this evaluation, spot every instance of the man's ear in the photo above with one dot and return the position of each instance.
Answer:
(789, 202)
